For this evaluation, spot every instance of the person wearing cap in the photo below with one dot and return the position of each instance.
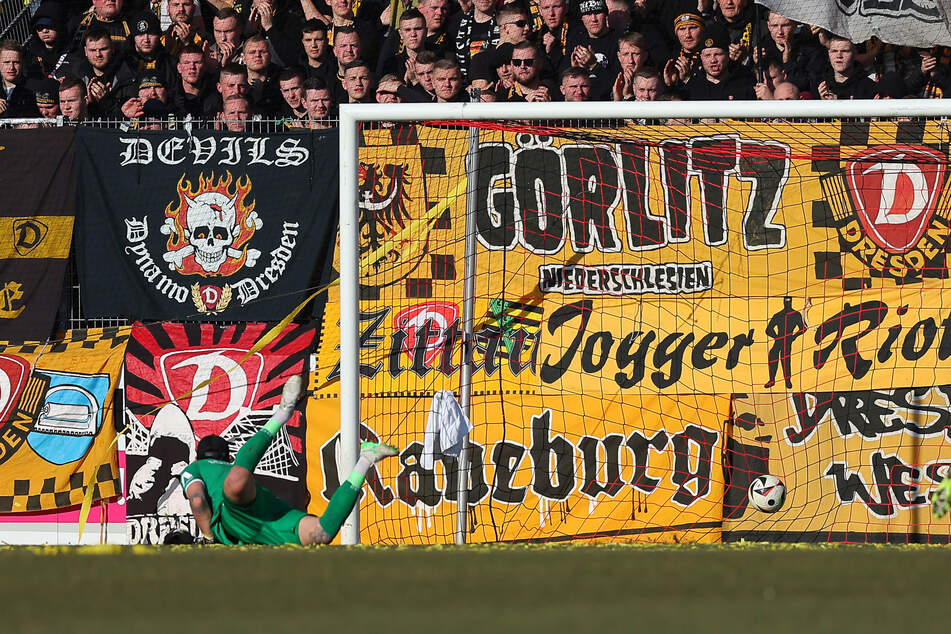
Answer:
(16, 100)
(151, 87)
(47, 98)
(594, 48)
(681, 68)
(46, 49)
(147, 53)
(478, 30)
(715, 82)
(845, 79)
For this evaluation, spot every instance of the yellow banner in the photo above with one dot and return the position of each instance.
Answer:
(57, 414)
(540, 471)
(36, 237)
(857, 466)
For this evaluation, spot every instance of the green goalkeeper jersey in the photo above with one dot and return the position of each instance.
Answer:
(266, 520)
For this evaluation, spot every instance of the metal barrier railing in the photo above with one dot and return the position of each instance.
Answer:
(15, 18)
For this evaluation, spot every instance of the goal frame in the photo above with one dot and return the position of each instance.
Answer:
(352, 115)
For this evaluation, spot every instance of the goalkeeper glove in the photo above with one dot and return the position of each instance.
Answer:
(203, 540)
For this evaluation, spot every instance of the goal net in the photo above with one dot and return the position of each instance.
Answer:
(662, 310)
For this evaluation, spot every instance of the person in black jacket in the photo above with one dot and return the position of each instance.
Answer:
(16, 100)
(47, 48)
(717, 82)
(846, 79)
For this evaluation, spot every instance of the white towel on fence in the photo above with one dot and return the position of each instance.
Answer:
(446, 428)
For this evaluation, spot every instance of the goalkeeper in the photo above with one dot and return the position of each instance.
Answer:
(229, 507)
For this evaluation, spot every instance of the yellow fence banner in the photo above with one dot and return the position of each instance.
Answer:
(638, 469)
(58, 427)
(857, 466)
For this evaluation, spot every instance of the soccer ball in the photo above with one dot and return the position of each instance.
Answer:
(767, 493)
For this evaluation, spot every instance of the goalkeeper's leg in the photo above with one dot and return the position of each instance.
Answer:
(239, 486)
(323, 529)
(941, 499)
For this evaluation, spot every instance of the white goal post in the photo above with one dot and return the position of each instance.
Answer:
(352, 115)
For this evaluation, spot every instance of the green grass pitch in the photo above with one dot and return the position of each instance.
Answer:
(485, 589)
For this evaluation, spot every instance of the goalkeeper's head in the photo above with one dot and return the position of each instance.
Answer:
(214, 447)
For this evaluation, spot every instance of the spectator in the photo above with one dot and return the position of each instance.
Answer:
(595, 48)
(619, 16)
(514, 28)
(892, 85)
(358, 82)
(798, 55)
(291, 82)
(403, 45)
(227, 27)
(681, 68)
(648, 85)
(232, 80)
(108, 78)
(47, 98)
(193, 89)
(148, 54)
(526, 69)
(436, 14)
(319, 104)
(737, 17)
(448, 82)
(235, 113)
(575, 84)
(554, 31)
(347, 48)
(716, 82)
(264, 93)
(16, 100)
(846, 80)
(786, 91)
(385, 93)
(478, 30)
(632, 56)
(106, 15)
(317, 60)
(182, 28)
(369, 30)
(151, 88)
(45, 51)
(72, 100)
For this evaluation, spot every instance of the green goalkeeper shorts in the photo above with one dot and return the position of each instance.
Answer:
(266, 520)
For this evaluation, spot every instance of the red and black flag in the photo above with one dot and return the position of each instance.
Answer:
(36, 228)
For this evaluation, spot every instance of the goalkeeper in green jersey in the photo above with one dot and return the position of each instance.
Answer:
(229, 507)
(941, 499)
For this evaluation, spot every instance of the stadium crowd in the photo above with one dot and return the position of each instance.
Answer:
(229, 61)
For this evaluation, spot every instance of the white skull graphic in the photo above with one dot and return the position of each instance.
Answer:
(210, 228)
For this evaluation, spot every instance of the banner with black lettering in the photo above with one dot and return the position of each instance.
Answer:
(57, 429)
(36, 228)
(858, 466)
(207, 226)
(170, 407)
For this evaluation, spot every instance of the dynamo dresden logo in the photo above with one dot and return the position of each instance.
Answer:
(891, 209)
